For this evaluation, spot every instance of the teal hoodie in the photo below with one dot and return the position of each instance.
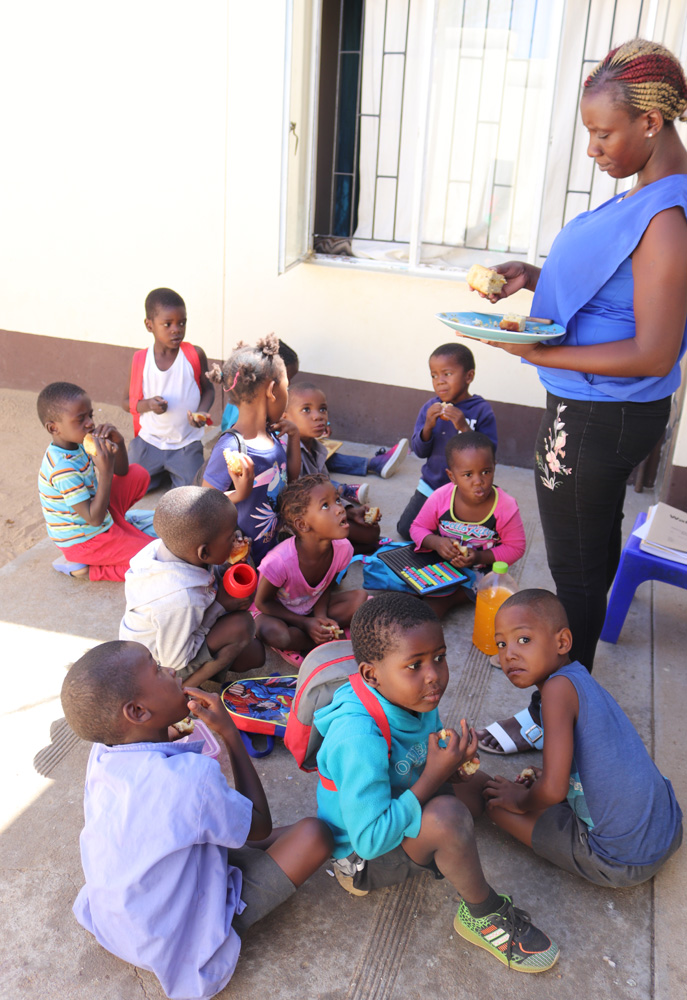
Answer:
(373, 808)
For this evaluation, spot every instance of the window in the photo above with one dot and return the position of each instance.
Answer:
(448, 130)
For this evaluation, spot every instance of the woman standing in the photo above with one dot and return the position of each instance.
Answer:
(616, 278)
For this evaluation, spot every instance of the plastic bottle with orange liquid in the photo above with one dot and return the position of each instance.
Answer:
(492, 590)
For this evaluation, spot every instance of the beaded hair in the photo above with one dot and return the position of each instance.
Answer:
(294, 500)
(647, 75)
(249, 367)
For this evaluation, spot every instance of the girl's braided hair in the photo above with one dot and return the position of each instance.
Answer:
(249, 367)
(647, 75)
(294, 500)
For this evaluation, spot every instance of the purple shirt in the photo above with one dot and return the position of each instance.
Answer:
(159, 893)
(479, 415)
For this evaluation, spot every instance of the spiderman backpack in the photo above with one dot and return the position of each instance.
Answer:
(260, 705)
(323, 670)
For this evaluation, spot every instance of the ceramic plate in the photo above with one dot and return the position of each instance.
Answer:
(485, 326)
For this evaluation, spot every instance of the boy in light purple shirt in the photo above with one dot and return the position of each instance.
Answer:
(171, 882)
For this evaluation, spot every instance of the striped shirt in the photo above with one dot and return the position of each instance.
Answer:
(68, 478)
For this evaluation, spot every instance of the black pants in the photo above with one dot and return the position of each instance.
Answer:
(413, 508)
(584, 455)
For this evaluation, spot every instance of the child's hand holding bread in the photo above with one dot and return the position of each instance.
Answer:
(242, 472)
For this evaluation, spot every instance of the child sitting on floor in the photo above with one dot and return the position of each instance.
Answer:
(169, 395)
(255, 379)
(307, 408)
(176, 605)
(173, 881)
(399, 805)
(453, 410)
(470, 522)
(300, 605)
(599, 807)
(86, 514)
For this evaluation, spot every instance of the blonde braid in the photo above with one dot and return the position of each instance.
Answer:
(648, 75)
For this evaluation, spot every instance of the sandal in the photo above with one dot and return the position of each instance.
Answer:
(290, 655)
(518, 734)
(73, 569)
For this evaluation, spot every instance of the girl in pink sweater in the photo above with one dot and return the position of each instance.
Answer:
(469, 522)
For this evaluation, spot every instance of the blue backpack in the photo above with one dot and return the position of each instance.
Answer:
(376, 574)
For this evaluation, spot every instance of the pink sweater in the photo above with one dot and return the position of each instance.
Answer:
(502, 530)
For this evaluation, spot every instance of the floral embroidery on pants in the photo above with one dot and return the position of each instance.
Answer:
(551, 465)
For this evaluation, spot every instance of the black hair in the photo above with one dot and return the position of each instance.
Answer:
(294, 499)
(288, 355)
(468, 441)
(378, 624)
(543, 603)
(297, 388)
(55, 397)
(162, 298)
(249, 367)
(190, 516)
(459, 353)
(97, 687)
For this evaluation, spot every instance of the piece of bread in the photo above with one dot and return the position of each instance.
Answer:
(470, 766)
(527, 774)
(240, 548)
(444, 734)
(335, 631)
(89, 445)
(233, 460)
(202, 418)
(512, 322)
(372, 515)
(186, 726)
(463, 549)
(485, 280)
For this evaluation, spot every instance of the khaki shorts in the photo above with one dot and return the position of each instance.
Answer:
(265, 886)
(201, 657)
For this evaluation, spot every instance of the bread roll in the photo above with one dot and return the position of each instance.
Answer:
(527, 774)
(372, 515)
(240, 548)
(233, 460)
(485, 280)
(513, 322)
(202, 418)
(186, 726)
(89, 445)
(470, 766)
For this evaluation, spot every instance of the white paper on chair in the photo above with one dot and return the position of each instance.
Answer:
(676, 525)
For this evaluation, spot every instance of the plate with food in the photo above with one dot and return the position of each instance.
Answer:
(503, 328)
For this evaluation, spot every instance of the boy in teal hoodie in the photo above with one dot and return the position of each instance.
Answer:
(398, 811)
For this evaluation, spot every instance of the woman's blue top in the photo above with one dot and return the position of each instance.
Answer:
(586, 285)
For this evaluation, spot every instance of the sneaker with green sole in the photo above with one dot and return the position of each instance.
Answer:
(510, 936)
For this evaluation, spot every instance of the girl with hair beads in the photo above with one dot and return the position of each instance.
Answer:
(299, 603)
(255, 379)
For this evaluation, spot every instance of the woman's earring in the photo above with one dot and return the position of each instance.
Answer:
(649, 135)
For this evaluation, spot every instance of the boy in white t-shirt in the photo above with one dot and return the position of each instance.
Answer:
(169, 395)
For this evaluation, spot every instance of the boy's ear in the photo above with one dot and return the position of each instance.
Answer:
(148, 325)
(202, 552)
(564, 640)
(469, 376)
(368, 674)
(51, 427)
(136, 713)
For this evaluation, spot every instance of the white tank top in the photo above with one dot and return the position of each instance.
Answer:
(170, 430)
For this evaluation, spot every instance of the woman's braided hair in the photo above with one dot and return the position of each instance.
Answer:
(248, 367)
(294, 500)
(647, 75)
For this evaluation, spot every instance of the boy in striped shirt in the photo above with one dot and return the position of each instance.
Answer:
(85, 499)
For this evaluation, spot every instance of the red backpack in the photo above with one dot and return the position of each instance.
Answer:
(136, 383)
(323, 670)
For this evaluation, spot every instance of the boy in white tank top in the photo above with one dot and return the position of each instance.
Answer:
(169, 395)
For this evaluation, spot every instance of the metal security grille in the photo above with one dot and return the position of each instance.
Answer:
(448, 127)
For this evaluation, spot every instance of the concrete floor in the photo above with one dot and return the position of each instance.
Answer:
(395, 944)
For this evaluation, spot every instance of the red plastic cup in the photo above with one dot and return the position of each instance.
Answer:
(240, 580)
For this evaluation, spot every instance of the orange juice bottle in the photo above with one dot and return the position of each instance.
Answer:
(492, 590)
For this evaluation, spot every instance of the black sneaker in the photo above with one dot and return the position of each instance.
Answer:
(510, 936)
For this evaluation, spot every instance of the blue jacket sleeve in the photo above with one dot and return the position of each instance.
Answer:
(376, 822)
(486, 423)
(423, 449)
